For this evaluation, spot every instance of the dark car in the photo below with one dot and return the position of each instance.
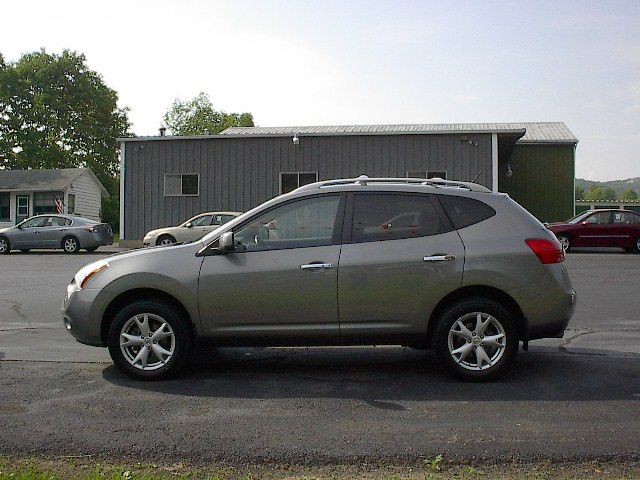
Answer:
(66, 232)
(600, 228)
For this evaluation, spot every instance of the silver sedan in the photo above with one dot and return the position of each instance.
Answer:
(66, 232)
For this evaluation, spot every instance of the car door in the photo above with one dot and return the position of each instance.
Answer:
(626, 225)
(28, 235)
(279, 285)
(393, 273)
(595, 231)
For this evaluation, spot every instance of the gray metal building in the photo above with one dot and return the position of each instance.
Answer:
(165, 180)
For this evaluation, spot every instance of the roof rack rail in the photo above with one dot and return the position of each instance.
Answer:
(365, 180)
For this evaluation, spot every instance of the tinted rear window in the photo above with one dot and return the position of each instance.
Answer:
(395, 216)
(464, 211)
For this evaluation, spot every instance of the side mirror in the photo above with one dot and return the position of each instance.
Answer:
(188, 225)
(226, 243)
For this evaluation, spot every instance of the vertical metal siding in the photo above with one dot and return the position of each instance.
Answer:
(240, 173)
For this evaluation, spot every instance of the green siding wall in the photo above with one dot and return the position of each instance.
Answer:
(542, 180)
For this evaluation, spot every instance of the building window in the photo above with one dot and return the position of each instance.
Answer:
(441, 174)
(181, 184)
(45, 202)
(416, 174)
(291, 180)
(5, 211)
(71, 204)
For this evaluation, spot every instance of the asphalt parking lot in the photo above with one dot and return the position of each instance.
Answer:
(577, 397)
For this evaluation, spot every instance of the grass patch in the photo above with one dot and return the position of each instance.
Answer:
(86, 468)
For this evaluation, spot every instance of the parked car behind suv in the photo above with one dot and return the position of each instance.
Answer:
(600, 228)
(189, 231)
(56, 231)
(429, 264)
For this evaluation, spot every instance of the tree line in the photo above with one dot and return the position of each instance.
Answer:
(56, 112)
(598, 193)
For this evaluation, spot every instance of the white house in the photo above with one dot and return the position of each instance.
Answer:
(24, 193)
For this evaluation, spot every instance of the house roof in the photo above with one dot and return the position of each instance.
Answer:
(45, 180)
(534, 132)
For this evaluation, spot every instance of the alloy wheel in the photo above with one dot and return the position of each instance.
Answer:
(4, 245)
(70, 245)
(477, 341)
(166, 241)
(147, 341)
(564, 242)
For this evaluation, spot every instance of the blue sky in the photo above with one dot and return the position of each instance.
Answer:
(311, 63)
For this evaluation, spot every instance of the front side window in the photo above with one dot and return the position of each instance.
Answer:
(394, 216)
(35, 222)
(303, 223)
(599, 218)
(202, 221)
(181, 184)
(5, 211)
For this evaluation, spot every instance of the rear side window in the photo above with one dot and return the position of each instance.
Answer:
(464, 211)
(394, 216)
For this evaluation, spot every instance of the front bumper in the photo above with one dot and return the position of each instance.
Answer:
(80, 318)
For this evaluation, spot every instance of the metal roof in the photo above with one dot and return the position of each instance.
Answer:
(44, 180)
(534, 132)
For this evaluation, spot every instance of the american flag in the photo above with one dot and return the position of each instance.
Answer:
(59, 206)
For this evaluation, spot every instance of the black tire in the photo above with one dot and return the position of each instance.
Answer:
(70, 245)
(564, 242)
(25, 250)
(169, 238)
(182, 333)
(636, 245)
(91, 250)
(468, 308)
(5, 245)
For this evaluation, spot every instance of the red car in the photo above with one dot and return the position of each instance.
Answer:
(600, 228)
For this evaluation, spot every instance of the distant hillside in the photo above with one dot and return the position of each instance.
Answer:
(620, 186)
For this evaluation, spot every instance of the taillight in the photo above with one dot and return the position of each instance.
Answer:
(548, 251)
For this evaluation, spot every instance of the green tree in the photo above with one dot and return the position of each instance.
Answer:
(630, 195)
(198, 117)
(597, 193)
(55, 112)
(610, 194)
(579, 193)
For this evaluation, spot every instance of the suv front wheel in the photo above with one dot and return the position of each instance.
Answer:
(476, 339)
(150, 340)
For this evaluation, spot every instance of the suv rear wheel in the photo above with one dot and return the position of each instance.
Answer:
(150, 340)
(476, 339)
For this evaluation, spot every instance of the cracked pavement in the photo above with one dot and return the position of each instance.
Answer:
(571, 398)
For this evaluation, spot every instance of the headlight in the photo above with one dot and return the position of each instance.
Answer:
(87, 272)
(151, 234)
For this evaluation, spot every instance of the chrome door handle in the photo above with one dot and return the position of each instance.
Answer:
(316, 266)
(439, 258)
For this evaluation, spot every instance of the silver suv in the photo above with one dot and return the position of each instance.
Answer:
(426, 264)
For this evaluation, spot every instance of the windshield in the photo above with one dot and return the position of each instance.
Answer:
(578, 218)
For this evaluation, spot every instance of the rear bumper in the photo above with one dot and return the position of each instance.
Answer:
(547, 309)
